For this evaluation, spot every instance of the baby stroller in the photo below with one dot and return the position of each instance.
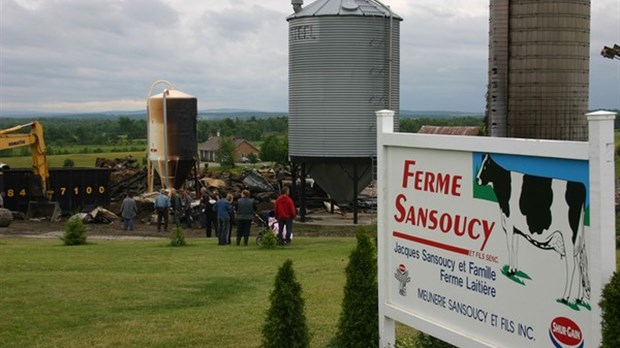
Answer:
(267, 223)
(262, 221)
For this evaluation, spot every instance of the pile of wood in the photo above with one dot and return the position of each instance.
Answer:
(126, 176)
(263, 183)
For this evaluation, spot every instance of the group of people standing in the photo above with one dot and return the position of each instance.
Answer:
(181, 205)
(217, 213)
(220, 212)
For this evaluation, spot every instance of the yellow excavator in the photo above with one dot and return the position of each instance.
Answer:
(9, 139)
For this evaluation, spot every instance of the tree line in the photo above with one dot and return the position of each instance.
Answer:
(66, 135)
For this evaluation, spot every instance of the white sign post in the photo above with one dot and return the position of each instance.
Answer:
(495, 242)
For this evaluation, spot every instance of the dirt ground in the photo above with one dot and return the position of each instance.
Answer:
(321, 224)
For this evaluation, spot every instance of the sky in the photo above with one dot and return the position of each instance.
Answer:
(106, 55)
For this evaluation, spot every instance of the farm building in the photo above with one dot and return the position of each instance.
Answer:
(243, 149)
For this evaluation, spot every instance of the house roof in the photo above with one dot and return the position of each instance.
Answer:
(213, 144)
(450, 130)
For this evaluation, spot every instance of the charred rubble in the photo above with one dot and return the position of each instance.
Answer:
(264, 183)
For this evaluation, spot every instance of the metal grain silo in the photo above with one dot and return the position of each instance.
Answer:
(539, 68)
(172, 136)
(343, 66)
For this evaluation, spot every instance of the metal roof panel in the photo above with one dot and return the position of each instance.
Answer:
(345, 8)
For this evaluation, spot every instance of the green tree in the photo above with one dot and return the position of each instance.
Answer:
(131, 128)
(358, 325)
(253, 158)
(205, 129)
(226, 153)
(285, 325)
(75, 232)
(275, 148)
(610, 307)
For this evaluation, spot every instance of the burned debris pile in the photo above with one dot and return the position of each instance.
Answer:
(126, 176)
(264, 183)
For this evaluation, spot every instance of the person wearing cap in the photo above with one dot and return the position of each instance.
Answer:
(162, 205)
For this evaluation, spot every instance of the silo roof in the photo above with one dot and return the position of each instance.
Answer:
(173, 94)
(368, 8)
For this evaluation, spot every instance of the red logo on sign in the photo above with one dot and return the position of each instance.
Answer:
(402, 268)
(566, 331)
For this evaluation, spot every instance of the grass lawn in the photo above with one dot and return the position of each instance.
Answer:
(144, 293)
(87, 160)
(80, 160)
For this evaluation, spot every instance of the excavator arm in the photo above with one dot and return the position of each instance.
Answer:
(34, 139)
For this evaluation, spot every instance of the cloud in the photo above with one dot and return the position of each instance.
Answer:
(67, 52)
(96, 55)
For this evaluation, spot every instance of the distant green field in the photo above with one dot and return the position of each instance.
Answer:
(86, 160)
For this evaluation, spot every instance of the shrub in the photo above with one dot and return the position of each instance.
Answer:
(75, 232)
(285, 325)
(358, 325)
(427, 341)
(405, 342)
(610, 307)
(68, 163)
(253, 158)
(269, 240)
(177, 237)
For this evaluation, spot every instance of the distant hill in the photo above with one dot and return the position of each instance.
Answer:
(242, 115)
(218, 114)
(74, 115)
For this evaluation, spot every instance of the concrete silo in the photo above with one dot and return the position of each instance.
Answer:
(539, 68)
(343, 66)
(172, 137)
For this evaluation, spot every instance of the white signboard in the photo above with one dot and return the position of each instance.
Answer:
(483, 244)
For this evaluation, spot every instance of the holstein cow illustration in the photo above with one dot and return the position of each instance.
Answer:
(547, 212)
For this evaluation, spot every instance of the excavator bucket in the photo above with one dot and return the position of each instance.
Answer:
(42, 209)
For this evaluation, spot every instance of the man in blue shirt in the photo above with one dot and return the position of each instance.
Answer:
(162, 205)
(223, 210)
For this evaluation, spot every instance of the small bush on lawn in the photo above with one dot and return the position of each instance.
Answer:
(285, 325)
(358, 325)
(68, 163)
(610, 307)
(269, 240)
(177, 237)
(75, 232)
